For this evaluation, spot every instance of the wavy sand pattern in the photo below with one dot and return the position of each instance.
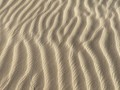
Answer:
(59, 44)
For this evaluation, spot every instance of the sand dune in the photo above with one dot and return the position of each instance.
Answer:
(59, 45)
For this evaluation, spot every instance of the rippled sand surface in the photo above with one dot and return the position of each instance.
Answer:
(59, 44)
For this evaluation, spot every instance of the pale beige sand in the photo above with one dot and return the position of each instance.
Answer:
(59, 44)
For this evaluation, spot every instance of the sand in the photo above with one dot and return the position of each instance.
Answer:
(59, 44)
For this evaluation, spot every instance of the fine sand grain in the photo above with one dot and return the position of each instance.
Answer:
(59, 44)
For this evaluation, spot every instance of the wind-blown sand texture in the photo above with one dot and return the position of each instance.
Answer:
(59, 44)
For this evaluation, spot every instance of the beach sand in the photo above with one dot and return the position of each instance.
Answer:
(59, 44)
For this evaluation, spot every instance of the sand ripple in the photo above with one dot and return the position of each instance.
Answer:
(59, 44)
